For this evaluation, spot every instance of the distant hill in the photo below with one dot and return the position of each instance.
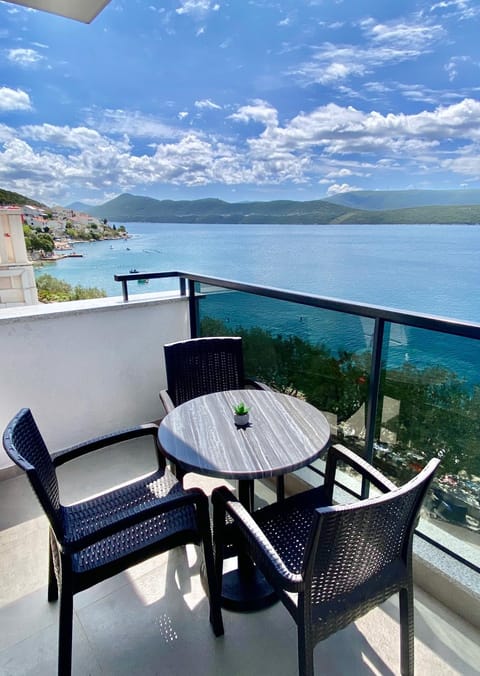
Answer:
(404, 199)
(80, 206)
(448, 215)
(129, 208)
(14, 198)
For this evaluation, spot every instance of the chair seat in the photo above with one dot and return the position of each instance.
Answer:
(288, 525)
(87, 516)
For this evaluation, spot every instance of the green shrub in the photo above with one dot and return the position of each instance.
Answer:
(53, 290)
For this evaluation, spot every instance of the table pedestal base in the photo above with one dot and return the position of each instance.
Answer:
(246, 591)
(243, 590)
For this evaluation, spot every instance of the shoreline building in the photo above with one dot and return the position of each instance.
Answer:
(17, 280)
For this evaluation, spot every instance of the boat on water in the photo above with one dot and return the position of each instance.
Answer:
(133, 271)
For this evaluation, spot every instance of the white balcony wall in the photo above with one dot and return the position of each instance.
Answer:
(87, 367)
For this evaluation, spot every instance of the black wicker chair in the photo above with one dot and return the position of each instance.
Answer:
(102, 536)
(330, 564)
(201, 366)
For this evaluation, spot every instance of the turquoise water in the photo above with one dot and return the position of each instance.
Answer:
(433, 269)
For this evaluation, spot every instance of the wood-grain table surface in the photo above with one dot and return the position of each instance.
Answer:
(284, 434)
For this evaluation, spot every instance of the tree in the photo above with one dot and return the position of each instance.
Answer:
(53, 290)
(36, 240)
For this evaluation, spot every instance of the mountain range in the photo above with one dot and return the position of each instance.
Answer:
(372, 207)
(356, 207)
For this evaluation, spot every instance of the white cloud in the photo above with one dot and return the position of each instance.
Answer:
(66, 137)
(463, 9)
(182, 114)
(24, 57)
(412, 38)
(345, 130)
(14, 99)
(452, 66)
(258, 111)
(207, 103)
(383, 44)
(197, 7)
(339, 173)
(338, 188)
(132, 123)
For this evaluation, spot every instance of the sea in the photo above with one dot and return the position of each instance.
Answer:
(432, 269)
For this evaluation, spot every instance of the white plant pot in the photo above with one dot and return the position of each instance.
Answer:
(241, 420)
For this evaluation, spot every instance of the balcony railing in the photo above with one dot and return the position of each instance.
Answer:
(398, 387)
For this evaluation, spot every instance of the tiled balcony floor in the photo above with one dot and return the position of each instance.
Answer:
(153, 619)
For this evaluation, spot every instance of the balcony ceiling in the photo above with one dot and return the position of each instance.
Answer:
(85, 10)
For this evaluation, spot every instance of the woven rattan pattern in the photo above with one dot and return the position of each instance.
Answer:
(25, 446)
(202, 366)
(86, 517)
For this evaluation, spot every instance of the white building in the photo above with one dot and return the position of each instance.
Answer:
(17, 281)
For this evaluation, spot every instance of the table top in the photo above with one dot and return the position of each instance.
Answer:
(284, 433)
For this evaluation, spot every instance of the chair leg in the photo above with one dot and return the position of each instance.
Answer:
(280, 488)
(218, 528)
(65, 630)
(406, 631)
(305, 653)
(213, 589)
(52, 593)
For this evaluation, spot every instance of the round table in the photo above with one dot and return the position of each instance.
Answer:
(284, 433)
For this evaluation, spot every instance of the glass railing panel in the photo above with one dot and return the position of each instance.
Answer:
(429, 401)
(320, 355)
(430, 407)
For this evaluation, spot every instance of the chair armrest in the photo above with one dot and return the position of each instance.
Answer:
(259, 546)
(166, 400)
(192, 495)
(72, 452)
(257, 385)
(340, 453)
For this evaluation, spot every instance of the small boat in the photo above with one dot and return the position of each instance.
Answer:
(133, 271)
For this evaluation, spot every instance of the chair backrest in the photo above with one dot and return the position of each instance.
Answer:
(358, 550)
(202, 366)
(25, 446)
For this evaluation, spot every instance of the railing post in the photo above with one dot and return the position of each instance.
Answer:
(193, 309)
(373, 394)
(183, 286)
(125, 290)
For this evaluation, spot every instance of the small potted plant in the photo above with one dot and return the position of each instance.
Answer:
(241, 414)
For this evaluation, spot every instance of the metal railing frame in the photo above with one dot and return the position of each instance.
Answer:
(382, 317)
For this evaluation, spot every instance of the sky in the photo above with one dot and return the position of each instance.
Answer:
(240, 99)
